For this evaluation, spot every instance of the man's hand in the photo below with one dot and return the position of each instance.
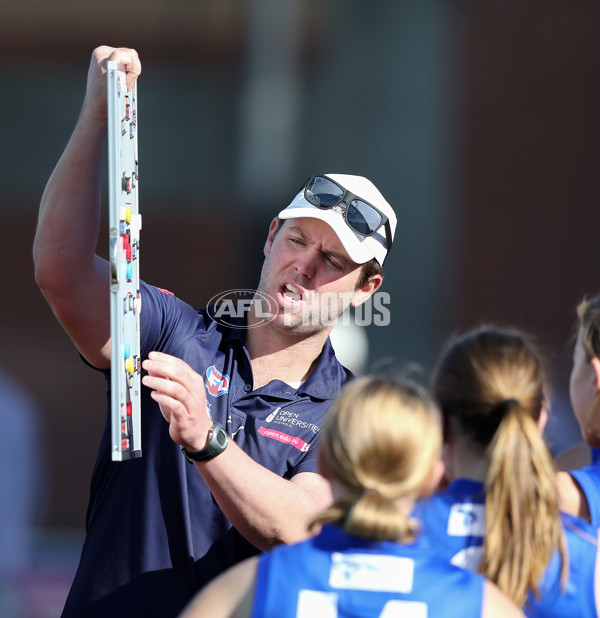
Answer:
(95, 97)
(179, 391)
(281, 510)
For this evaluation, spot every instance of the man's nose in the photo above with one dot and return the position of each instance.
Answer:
(306, 263)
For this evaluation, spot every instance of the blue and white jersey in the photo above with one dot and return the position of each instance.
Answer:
(588, 478)
(155, 534)
(454, 523)
(334, 575)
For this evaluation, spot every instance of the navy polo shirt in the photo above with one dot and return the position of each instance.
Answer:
(155, 534)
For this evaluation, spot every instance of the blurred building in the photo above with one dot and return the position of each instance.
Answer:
(477, 120)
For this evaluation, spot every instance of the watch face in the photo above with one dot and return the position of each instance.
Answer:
(217, 442)
(221, 437)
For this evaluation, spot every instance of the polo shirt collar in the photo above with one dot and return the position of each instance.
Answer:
(325, 380)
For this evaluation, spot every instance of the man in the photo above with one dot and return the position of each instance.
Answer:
(159, 528)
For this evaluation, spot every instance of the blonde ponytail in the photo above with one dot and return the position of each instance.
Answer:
(380, 444)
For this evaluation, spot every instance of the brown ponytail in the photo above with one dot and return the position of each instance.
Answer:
(490, 386)
(523, 523)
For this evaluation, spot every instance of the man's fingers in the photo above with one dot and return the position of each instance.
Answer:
(127, 58)
(165, 385)
(171, 367)
(166, 358)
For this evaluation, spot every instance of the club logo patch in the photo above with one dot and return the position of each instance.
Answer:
(217, 383)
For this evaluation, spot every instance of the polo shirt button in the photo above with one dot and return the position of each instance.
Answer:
(247, 387)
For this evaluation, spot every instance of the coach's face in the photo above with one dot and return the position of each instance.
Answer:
(309, 274)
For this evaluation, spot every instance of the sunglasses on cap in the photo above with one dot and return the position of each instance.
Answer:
(360, 216)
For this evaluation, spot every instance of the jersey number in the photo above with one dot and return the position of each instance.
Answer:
(313, 603)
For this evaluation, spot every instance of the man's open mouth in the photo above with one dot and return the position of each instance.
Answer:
(291, 292)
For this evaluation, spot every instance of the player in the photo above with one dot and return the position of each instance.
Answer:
(160, 527)
(380, 449)
(499, 514)
(580, 488)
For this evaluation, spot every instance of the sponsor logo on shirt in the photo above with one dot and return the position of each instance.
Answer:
(217, 383)
(466, 520)
(294, 441)
(468, 558)
(271, 416)
(291, 420)
(376, 572)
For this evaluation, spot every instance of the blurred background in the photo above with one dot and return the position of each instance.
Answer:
(479, 122)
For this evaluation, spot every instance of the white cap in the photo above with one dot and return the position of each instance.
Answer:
(361, 249)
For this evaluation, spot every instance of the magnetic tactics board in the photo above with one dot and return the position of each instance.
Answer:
(124, 244)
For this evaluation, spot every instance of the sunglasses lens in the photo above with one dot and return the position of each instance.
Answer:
(363, 218)
(323, 193)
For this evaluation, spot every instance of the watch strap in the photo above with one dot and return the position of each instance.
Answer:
(217, 443)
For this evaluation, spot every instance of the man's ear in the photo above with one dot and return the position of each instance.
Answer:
(595, 363)
(368, 289)
(271, 236)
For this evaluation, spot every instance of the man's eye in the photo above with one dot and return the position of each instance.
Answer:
(333, 262)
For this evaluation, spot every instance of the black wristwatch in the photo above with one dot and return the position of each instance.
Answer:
(217, 443)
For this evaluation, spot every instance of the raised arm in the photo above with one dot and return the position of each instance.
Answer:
(74, 280)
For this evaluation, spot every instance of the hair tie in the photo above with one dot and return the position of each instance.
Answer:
(504, 407)
(372, 492)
